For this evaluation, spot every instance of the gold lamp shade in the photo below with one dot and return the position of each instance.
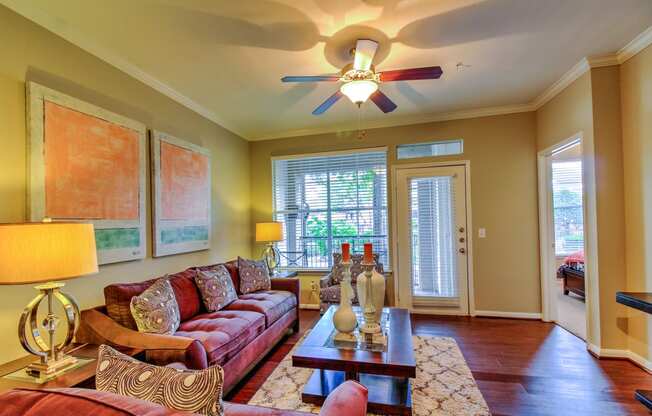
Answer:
(269, 231)
(42, 252)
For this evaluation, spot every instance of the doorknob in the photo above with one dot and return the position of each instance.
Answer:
(462, 250)
(461, 229)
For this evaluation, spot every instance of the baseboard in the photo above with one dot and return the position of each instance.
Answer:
(311, 306)
(636, 359)
(513, 315)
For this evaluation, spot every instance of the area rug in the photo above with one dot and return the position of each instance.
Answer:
(444, 385)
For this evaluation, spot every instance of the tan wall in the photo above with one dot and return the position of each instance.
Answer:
(32, 53)
(636, 97)
(502, 151)
(590, 106)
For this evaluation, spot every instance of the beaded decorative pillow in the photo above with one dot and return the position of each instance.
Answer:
(156, 310)
(254, 276)
(194, 391)
(216, 288)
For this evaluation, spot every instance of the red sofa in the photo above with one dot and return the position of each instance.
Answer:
(236, 338)
(348, 399)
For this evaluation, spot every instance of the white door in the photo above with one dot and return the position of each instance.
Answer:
(432, 239)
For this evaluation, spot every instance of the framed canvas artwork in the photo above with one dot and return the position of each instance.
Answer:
(181, 177)
(88, 164)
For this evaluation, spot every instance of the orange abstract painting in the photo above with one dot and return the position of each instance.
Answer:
(185, 189)
(91, 167)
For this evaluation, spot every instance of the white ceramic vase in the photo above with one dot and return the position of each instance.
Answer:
(377, 291)
(344, 318)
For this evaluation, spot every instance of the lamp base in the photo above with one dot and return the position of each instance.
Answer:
(53, 359)
(52, 367)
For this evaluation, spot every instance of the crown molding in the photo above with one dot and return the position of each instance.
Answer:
(65, 31)
(72, 35)
(637, 44)
(406, 121)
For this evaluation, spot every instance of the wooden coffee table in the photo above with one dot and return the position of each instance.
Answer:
(386, 372)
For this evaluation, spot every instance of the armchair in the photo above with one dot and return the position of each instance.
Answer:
(329, 285)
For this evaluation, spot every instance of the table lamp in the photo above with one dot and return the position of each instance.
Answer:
(42, 253)
(270, 232)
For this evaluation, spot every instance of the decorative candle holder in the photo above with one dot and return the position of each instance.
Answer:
(371, 328)
(344, 318)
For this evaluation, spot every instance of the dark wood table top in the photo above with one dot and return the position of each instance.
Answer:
(637, 300)
(75, 377)
(397, 360)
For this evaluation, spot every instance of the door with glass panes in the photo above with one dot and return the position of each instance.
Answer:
(432, 239)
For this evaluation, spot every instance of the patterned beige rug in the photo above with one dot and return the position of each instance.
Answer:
(444, 385)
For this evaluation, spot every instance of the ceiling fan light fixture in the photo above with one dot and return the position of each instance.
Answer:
(359, 91)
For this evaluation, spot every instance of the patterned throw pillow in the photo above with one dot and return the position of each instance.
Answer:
(156, 310)
(196, 391)
(216, 288)
(254, 276)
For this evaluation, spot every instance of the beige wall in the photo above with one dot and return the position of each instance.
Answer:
(590, 106)
(31, 53)
(502, 151)
(636, 97)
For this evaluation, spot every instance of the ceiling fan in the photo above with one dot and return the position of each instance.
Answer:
(360, 80)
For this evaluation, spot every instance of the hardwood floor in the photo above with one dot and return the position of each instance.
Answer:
(521, 367)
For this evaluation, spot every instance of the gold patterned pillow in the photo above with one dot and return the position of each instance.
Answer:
(254, 276)
(196, 391)
(216, 288)
(156, 310)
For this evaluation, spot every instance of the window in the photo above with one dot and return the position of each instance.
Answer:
(326, 200)
(444, 148)
(567, 206)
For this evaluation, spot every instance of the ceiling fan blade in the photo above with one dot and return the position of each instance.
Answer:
(429, 72)
(383, 102)
(311, 78)
(365, 50)
(328, 103)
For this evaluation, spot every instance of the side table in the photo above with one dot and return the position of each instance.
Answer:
(82, 376)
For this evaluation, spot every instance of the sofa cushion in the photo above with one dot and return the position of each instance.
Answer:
(75, 401)
(271, 303)
(198, 391)
(216, 288)
(254, 276)
(155, 310)
(232, 267)
(118, 297)
(224, 333)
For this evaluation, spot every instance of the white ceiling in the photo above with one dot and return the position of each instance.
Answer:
(224, 58)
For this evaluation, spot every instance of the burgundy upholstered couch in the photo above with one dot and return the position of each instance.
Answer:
(348, 399)
(236, 337)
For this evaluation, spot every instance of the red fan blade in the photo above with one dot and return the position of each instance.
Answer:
(328, 103)
(429, 72)
(383, 102)
(311, 78)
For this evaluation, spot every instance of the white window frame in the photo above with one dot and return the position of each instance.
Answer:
(387, 267)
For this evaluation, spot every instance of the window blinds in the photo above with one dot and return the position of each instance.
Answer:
(434, 260)
(325, 200)
(567, 206)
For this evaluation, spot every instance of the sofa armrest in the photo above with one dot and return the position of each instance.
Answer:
(289, 284)
(349, 398)
(98, 328)
(324, 281)
(293, 285)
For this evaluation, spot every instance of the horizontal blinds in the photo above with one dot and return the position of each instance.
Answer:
(326, 200)
(567, 206)
(434, 260)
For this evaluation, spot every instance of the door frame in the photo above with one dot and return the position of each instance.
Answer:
(394, 229)
(546, 233)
